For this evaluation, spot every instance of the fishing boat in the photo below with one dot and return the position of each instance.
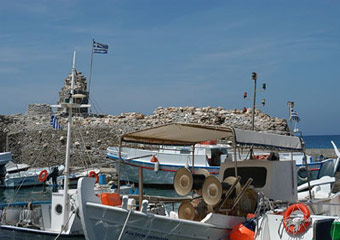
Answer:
(13, 175)
(28, 178)
(160, 164)
(47, 220)
(225, 204)
(5, 157)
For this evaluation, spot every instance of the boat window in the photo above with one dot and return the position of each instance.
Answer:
(223, 150)
(184, 151)
(215, 159)
(258, 174)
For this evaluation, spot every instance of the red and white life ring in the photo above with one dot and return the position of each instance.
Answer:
(292, 227)
(94, 174)
(42, 175)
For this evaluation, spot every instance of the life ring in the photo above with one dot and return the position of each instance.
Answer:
(302, 173)
(94, 174)
(293, 227)
(42, 175)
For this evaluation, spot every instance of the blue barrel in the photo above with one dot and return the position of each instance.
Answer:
(102, 179)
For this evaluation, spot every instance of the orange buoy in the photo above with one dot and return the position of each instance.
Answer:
(241, 232)
(154, 159)
(294, 228)
(211, 142)
(42, 175)
(111, 199)
(94, 174)
(262, 157)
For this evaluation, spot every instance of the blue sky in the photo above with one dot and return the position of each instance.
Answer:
(176, 53)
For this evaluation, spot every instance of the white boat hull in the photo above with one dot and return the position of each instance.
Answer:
(169, 160)
(28, 178)
(270, 227)
(107, 223)
(22, 181)
(39, 220)
(110, 223)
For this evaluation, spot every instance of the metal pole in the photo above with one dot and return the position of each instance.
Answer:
(254, 101)
(290, 106)
(193, 159)
(119, 163)
(235, 158)
(193, 166)
(91, 63)
(140, 187)
(68, 148)
(254, 77)
(308, 174)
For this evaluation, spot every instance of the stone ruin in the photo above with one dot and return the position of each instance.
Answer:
(31, 138)
(80, 87)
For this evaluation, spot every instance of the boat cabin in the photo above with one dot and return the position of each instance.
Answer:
(275, 179)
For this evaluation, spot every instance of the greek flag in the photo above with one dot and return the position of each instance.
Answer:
(294, 116)
(54, 122)
(100, 48)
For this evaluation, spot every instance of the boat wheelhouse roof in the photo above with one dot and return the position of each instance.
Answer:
(191, 134)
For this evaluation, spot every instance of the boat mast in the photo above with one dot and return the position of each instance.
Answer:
(68, 147)
(69, 105)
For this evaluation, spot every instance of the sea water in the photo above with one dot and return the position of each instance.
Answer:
(25, 194)
(321, 141)
(45, 194)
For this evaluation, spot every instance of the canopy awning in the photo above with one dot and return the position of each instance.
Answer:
(190, 134)
(178, 134)
(268, 140)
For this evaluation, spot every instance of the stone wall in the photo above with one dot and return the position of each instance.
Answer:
(5, 121)
(32, 140)
(80, 87)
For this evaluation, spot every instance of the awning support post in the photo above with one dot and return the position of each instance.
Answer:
(119, 163)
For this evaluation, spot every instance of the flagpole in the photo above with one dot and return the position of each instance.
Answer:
(290, 106)
(90, 69)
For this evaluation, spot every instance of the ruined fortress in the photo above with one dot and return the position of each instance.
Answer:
(31, 138)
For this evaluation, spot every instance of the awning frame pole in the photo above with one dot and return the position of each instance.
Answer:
(235, 155)
(193, 159)
(308, 174)
(119, 163)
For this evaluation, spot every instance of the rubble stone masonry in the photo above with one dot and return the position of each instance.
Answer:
(32, 140)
